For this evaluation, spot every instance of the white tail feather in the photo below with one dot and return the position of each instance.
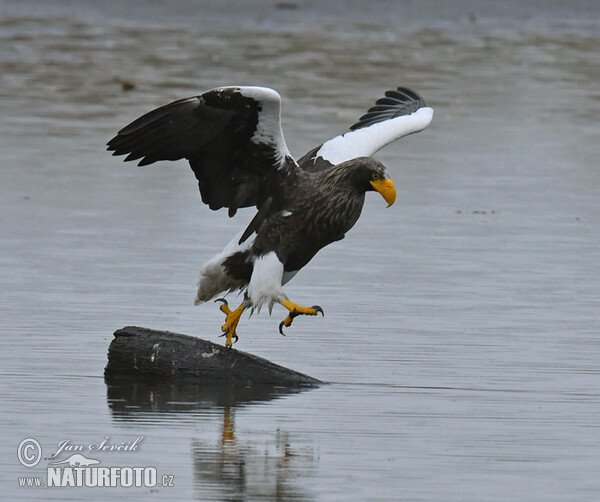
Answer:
(213, 278)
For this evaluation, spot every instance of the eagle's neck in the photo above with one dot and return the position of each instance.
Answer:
(335, 203)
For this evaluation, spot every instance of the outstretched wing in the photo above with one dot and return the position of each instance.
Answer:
(231, 136)
(399, 113)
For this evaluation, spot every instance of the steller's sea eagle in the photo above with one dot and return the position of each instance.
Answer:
(233, 140)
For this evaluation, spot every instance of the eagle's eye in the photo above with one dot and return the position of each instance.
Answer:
(375, 177)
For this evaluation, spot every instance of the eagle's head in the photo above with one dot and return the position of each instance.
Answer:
(369, 174)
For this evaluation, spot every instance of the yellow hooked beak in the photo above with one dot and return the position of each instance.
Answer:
(387, 190)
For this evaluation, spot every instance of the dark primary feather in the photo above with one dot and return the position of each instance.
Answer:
(214, 132)
(396, 103)
(174, 131)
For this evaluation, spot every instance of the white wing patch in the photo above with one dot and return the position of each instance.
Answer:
(268, 129)
(365, 141)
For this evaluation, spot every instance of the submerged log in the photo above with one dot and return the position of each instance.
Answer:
(148, 353)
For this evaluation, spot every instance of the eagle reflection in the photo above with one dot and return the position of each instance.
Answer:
(230, 467)
(270, 469)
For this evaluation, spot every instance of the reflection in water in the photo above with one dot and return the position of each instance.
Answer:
(234, 469)
(228, 468)
(130, 396)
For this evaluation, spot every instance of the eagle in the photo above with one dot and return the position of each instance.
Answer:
(233, 140)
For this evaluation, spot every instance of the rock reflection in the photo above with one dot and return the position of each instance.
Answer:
(127, 396)
(229, 467)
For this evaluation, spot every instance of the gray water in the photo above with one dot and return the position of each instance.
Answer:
(461, 335)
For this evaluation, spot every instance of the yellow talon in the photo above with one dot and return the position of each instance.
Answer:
(296, 310)
(231, 321)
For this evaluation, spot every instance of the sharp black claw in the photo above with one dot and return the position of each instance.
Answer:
(319, 309)
(225, 332)
(223, 300)
(281, 325)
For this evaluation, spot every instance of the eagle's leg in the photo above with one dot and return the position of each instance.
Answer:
(296, 310)
(231, 321)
